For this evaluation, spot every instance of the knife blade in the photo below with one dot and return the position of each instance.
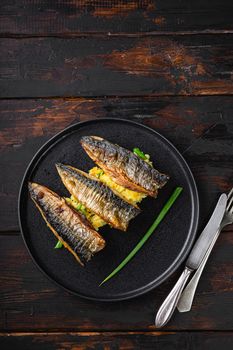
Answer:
(204, 241)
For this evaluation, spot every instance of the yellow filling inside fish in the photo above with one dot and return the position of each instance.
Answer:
(126, 194)
(94, 219)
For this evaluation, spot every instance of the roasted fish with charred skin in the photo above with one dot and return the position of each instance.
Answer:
(125, 168)
(70, 227)
(97, 197)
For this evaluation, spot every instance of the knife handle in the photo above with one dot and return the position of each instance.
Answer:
(186, 299)
(167, 308)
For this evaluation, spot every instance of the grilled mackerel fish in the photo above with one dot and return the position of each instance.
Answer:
(97, 197)
(70, 227)
(124, 167)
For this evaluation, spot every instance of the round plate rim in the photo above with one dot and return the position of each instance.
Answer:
(185, 250)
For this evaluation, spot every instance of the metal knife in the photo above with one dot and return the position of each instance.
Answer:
(194, 260)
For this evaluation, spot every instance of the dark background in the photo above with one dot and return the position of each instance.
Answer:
(165, 64)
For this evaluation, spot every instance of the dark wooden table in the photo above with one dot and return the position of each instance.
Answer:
(166, 64)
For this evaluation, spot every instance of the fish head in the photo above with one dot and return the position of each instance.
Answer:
(36, 191)
(93, 145)
(61, 169)
(64, 172)
(71, 177)
(40, 193)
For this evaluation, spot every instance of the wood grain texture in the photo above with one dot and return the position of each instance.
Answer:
(40, 17)
(182, 65)
(29, 301)
(78, 48)
(116, 341)
(201, 128)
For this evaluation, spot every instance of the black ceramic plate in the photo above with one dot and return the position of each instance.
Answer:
(161, 255)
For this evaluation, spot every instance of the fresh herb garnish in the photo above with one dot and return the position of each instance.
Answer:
(142, 155)
(157, 221)
(100, 173)
(58, 245)
(139, 153)
(79, 206)
(82, 209)
(76, 205)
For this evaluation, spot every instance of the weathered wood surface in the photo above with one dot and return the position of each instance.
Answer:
(201, 128)
(115, 341)
(119, 16)
(99, 66)
(150, 49)
(29, 301)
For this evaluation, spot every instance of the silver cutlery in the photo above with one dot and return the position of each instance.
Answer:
(193, 262)
(186, 298)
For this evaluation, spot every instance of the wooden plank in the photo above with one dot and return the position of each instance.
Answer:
(29, 301)
(123, 341)
(75, 17)
(99, 66)
(201, 128)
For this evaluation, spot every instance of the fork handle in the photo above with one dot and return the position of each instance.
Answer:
(186, 298)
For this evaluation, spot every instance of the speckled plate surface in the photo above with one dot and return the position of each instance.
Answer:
(164, 251)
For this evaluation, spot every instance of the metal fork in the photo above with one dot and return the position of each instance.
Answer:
(186, 299)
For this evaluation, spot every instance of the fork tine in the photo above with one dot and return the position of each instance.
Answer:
(230, 210)
(230, 207)
(230, 193)
(229, 203)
